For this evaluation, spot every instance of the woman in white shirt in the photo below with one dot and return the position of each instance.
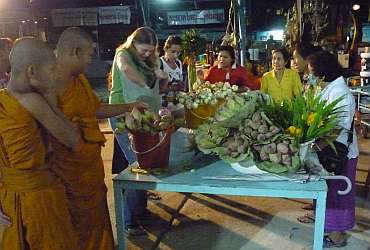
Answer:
(340, 210)
(173, 67)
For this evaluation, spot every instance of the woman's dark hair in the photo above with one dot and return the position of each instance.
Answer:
(306, 49)
(229, 50)
(325, 65)
(284, 52)
(172, 40)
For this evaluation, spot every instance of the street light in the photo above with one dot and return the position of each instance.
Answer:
(356, 7)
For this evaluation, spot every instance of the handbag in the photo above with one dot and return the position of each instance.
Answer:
(334, 161)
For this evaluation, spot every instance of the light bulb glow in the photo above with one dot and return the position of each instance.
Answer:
(356, 7)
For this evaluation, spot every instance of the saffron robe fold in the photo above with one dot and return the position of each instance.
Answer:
(82, 172)
(30, 193)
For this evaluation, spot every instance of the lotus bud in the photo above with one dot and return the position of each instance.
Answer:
(282, 148)
(136, 114)
(195, 105)
(129, 120)
(163, 125)
(167, 118)
(275, 158)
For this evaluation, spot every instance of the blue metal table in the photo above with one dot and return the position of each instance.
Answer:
(179, 178)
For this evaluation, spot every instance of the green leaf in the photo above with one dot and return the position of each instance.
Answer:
(209, 136)
(272, 167)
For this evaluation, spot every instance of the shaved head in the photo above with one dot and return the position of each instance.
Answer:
(75, 49)
(73, 38)
(29, 51)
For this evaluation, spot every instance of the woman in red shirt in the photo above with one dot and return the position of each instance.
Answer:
(226, 70)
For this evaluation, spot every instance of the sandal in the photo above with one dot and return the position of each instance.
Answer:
(134, 230)
(308, 218)
(308, 206)
(153, 196)
(329, 243)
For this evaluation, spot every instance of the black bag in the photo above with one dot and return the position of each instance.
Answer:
(332, 160)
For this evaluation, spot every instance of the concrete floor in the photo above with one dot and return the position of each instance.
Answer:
(233, 222)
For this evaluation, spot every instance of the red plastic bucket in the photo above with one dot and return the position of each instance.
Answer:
(152, 150)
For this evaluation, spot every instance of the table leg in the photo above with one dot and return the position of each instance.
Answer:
(120, 215)
(319, 221)
(367, 184)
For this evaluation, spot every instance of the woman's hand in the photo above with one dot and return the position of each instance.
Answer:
(319, 144)
(243, 89)
(160, 74)
(140, 105)
(4, 220)
(178, 86)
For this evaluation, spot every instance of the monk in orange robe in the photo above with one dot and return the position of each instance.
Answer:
(33, 200)
(83, 172)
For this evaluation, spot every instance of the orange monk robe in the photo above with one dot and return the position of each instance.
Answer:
(83, 172)
(30, 194)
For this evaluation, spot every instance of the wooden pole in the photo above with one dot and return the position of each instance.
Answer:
(299, 14)
(143, 10)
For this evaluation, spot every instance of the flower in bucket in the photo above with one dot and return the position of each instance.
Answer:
(206, 94)
(145, 121)
(306, 117)
(293, 131)
(241, 132)
(311, 119)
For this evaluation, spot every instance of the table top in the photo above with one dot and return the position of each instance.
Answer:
(188, 172)
(363, 90)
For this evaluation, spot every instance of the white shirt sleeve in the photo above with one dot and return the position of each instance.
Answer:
(348, 108)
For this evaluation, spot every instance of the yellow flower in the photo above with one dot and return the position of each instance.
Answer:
(298, 132)
(293, 131)
(310, 118)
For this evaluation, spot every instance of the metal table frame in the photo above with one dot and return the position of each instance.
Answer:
(192, 182)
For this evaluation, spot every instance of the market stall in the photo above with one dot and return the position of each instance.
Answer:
(248, 145)
(191, 173)
(238, 142)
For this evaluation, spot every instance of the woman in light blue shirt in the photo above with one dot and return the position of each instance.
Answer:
(135, 77)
